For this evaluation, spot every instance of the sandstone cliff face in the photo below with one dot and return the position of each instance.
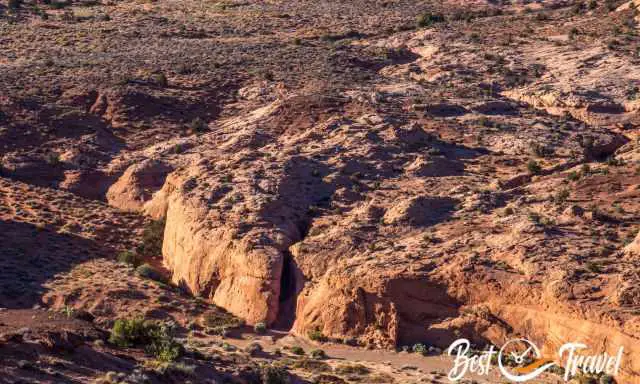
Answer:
(338, 168)
(214, 265)
(343, 228)
(137, 185)
(372, 216)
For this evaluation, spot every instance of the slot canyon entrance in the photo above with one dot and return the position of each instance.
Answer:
(291, 283)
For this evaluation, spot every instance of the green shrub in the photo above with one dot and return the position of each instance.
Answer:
(162, 345)
(149, 272)
(274, 375)
(159, 79)
(152, 237)
(128, 332)
(420, 348)
(533, 167)
(52, 158)
(573, 176)
(318, 354)
(311, 365)
(198, 125)
(129, 257)
(594, 267)
(156, 338)
(317, 335)
(352, 369)
(561, 196)
(297, 350)
(181, 369)
(427, 19)
(253, 349)
(220, 322)
(260, 328)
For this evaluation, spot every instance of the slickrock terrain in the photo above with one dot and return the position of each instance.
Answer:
(381, 174)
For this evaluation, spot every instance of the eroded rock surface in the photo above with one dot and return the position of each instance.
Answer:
(342, 169)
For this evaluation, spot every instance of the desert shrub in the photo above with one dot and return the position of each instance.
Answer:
(352, 369)
(427, 19)
(159, 79)
(613, 162)
(52, 159)
(14, 4)
(573, 176)
(149, 272)
(534, 217)
(219, 322)
(129, 257)
(182, 369)
(128, 332)
(297, 350)
(317, 335)
(561, 196)
(318, 354)
(198, 125)
(68, 311)
(155, 337)
(260, 328)
(162, 345)
(533, 167)
(541, 150)
(152, 237)
(420, 348)
(311, 365)
(573, 33)
(253, 349)
(601, 216)
(594, 267)
(228, 347)
(274, 375)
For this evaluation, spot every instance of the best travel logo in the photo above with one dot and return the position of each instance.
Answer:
(520, 360)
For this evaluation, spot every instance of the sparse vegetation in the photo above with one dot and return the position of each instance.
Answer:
(129, 257)
(297, 350)
(152, 239)
(361, 150)
(198, 125)
(274, 375)
(260, 328)
(253, 349)
(155, 337)
(317, 335)
(219, 323)
(428, 19)
(533, 167)
(149, 272)
(561, 196)
(420, 348)
(593, 267)
(352, 369)
(318, 354)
